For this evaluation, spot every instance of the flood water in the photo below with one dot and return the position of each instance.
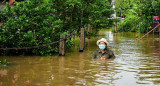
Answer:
(137, 63)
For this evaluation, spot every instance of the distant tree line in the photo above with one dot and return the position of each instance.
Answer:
(138, 14)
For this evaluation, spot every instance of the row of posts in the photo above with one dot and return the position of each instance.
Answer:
(82, 41)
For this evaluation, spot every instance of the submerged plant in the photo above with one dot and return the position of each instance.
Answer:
(4, 62)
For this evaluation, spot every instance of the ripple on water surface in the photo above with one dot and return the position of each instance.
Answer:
(136, 64)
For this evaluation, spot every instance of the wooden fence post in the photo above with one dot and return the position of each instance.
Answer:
(116, 27)
(89, 28)
(62, 45)
(153, 34)
(82, 40)
(159, 36)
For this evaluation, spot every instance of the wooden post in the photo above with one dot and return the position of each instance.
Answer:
(153, 34)
(89, 30)
(159, 38)
(82, 40)
(136, 37)
(62, 45)
(115, 27)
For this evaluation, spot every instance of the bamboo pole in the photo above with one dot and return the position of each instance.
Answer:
(149, 31)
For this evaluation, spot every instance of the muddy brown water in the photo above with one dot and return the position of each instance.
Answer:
(136, 64)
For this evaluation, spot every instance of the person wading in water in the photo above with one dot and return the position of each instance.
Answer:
(103, 52)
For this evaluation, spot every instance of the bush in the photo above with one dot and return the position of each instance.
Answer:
(37, 22)
(129, 24)
(30, 24)
(139, 15)
(4, 62)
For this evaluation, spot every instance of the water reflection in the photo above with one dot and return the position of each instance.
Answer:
(105, 74)
(136, 64)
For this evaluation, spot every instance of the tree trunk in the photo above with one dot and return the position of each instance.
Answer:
(64, 18)
(72, 16)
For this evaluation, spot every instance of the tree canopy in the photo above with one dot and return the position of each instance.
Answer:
(37, 22)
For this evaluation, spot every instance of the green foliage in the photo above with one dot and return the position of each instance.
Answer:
(28, 24)
(113, 30)
(37, 22)
(79, 13)
(138, 14)
(4, 62)
(129, 24)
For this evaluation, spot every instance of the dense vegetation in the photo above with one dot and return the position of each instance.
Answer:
(138, 14)
(36, 22)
